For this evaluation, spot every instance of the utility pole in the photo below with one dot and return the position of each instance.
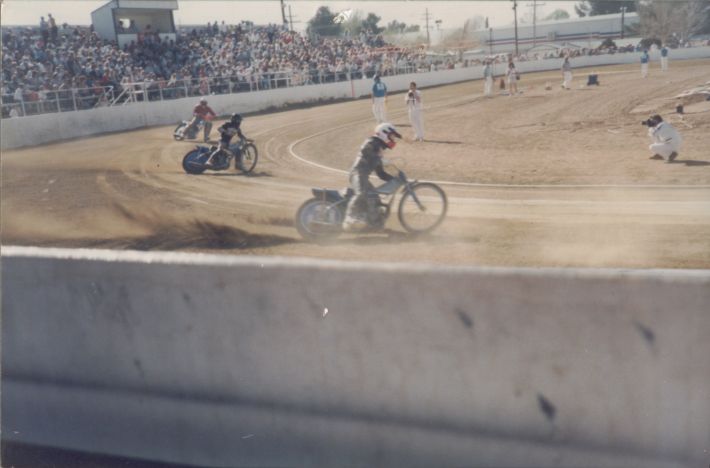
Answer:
(283, 13)
(623, 10)
(534, 7)
(515, 12)
(426, 17)
(490, 36)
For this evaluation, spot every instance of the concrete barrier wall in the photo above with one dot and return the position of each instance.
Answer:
(232, 361)
(46, 128)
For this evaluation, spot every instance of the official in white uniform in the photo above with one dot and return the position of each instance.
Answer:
(379, 99)
(413, 100)
(512, 75)
(666, 139)
(487, 79)
(567, 74)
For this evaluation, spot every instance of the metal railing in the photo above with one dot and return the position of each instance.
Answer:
(51, 101)
(65, 100)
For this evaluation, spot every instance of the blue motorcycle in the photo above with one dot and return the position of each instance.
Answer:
(242, 151)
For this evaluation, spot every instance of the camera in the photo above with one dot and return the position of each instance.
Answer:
(410, 94)
(652, 121)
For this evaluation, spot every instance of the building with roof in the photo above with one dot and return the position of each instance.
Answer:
(582, 31)
(124, 21)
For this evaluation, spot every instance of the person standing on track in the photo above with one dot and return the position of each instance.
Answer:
(512, 79)
(644, 64)
(413, 100)
(567, 74)
(664, 58)
(379, 100)
(487, 79)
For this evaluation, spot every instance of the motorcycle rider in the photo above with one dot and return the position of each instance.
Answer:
(200, 113)
(369, 160)
(227, 130)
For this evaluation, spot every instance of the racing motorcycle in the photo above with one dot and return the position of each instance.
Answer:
(184, 131)
(422, 208)
(243, 152)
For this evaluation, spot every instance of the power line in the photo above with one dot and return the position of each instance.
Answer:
(426, 17)
(290, 18)
(534, 7)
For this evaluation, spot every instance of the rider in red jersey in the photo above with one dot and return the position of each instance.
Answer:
(205, 113)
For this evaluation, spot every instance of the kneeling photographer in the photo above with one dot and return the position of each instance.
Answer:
(666, 139)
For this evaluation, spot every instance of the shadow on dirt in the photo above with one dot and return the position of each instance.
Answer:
(238, 174)
(691, 162)
(166, 233)
(194, 235)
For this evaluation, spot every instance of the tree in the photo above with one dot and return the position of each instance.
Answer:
(395, 26)
(370, 23)
(557, 15)
(322, 23)
(412, 28)
(603, 7)
(682, 19)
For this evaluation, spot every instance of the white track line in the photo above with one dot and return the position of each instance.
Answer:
(478, 184)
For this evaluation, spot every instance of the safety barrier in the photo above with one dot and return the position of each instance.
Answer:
(233, 361)
(38, 129)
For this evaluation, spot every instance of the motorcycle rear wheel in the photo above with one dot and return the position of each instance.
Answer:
(194, 162)
(318, 220)
(177, 134)
(423, 208)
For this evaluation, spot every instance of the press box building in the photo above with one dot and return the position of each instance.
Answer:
(129, 20)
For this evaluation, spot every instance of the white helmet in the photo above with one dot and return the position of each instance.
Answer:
(386, 132)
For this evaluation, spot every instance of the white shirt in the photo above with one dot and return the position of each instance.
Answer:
(414, 102)
(665, 133)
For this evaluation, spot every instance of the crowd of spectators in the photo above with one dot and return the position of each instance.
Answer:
(49, 69)
(41, 67)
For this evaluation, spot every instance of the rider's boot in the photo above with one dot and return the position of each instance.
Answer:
(210, 162)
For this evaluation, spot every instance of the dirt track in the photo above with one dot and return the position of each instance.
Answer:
(570, 180)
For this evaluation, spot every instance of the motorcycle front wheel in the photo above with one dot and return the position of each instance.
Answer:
(246, 162)
(319, 220)
(422, 208)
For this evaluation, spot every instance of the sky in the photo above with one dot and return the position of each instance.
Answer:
(452, 14)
